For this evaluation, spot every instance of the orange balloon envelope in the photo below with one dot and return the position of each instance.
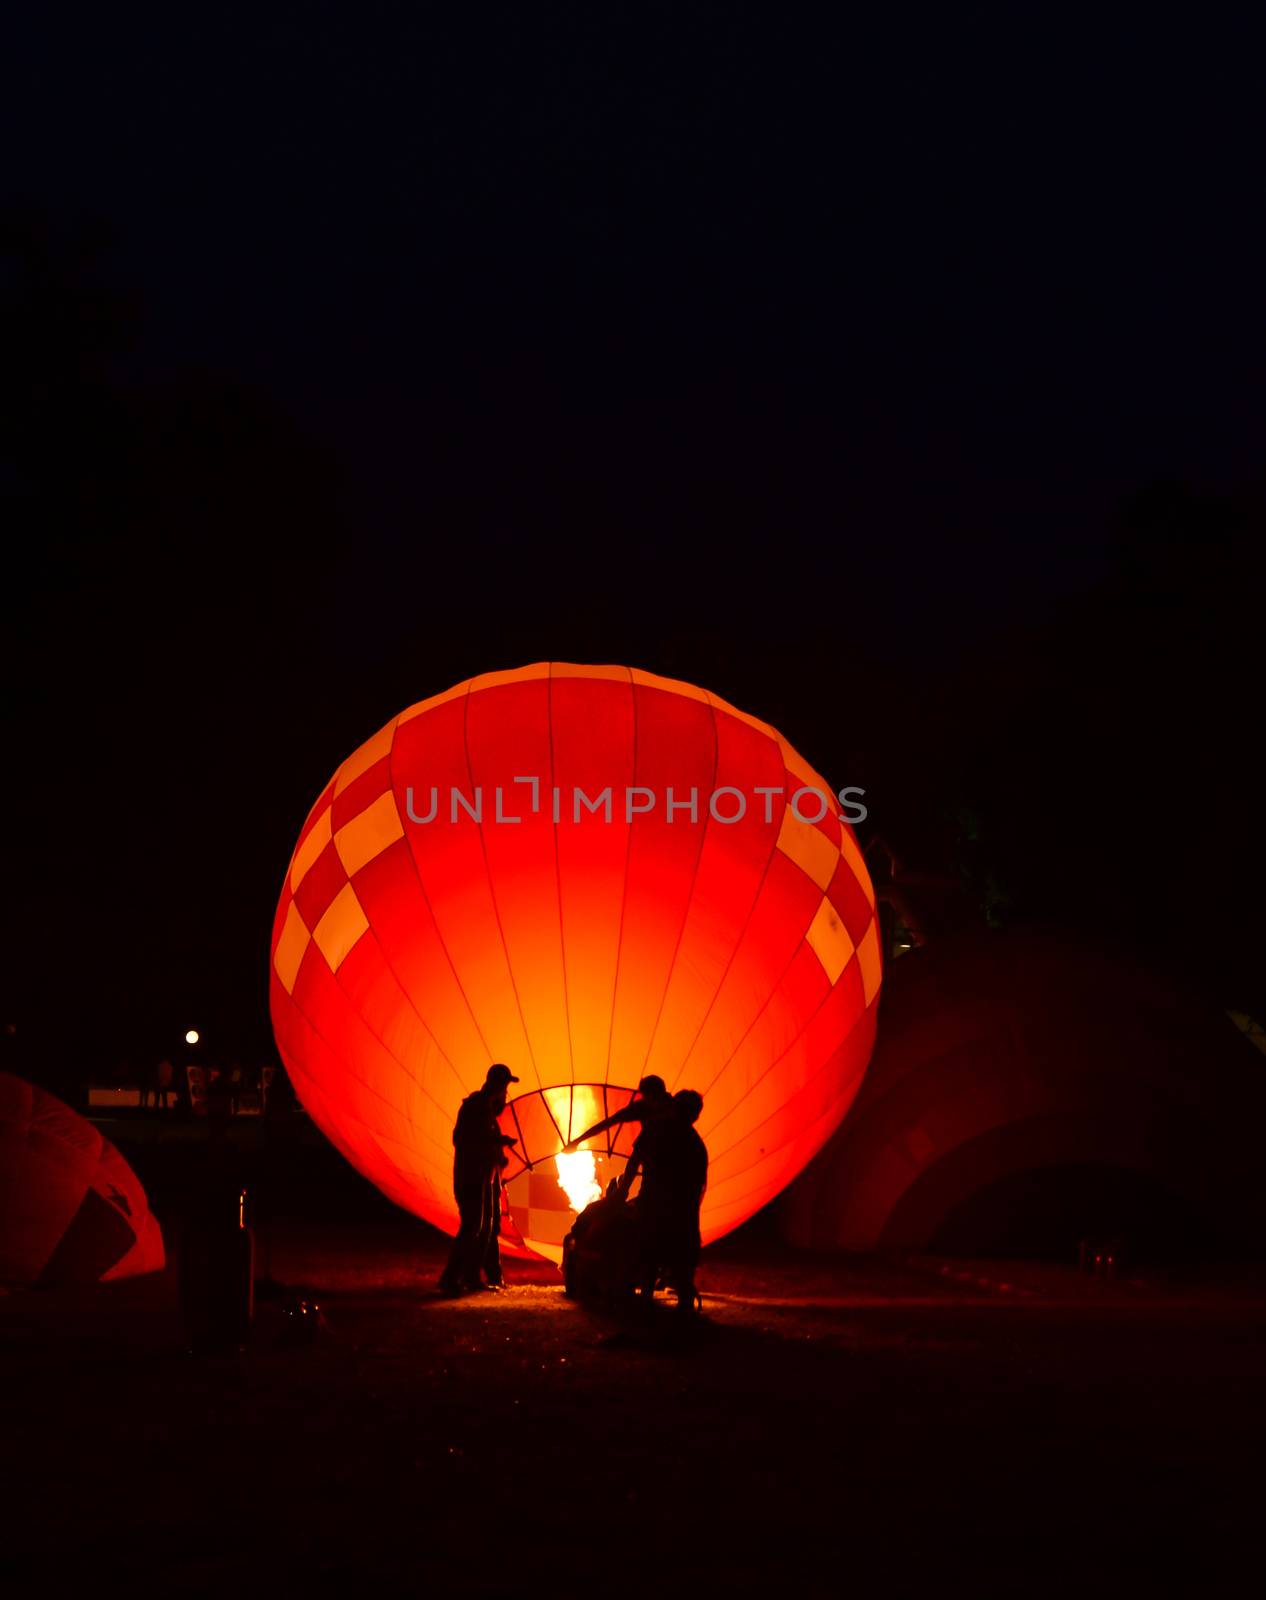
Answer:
(71, 1209)
(592, 874)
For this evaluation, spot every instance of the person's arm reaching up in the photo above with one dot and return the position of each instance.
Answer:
(630, 1113)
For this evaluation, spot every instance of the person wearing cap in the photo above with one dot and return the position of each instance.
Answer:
(673, 1162)
(479, 1155)
(652, 1105)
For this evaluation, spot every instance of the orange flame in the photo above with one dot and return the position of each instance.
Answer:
(578, 1177)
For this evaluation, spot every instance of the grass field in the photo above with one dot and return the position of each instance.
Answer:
(830, 1427)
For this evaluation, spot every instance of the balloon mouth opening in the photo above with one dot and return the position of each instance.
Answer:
(546, 1186)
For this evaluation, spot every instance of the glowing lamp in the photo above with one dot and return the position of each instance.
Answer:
(592, 874)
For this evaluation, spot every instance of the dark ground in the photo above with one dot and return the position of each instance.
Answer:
(832, 1427)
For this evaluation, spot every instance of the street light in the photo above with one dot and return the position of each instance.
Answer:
(192, 1036)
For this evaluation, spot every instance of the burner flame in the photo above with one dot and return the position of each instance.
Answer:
(578, 1177)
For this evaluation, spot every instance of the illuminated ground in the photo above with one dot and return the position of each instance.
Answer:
(858, 1428)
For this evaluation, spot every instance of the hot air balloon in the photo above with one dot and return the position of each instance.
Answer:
(592, 874)
(71, 1209)
(1027, 1079)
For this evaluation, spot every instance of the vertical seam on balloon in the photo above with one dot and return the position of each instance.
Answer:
(518, 1128)
(492, 895)
(364, 1082)
(791, 1045)
(764, 1006)
(339, 1144)
(549, 1112)
(804, 940)
(738, 944)
(386, 961)
(826, 1114)
(408, 1070)
(452, 967)
(690, 899)
(836, 1100)
(381, 1140)
(624, 901)
(558, 874)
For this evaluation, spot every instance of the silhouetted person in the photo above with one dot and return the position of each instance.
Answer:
(219, 1094)
(673, 1162)
(159, 1086)
(491, 1258)
(652, 1103)
(602, 1252)
(479, 1149)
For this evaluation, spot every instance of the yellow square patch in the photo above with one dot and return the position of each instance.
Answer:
(369, 834)
(809, 848)
(361, 760)
(338, 930)
(871, 962)
(315, 840)
(828, 939)
(290, 948)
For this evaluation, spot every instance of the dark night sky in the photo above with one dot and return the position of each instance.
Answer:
(804, 358)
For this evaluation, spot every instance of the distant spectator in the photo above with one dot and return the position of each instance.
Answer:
(219, 1095)
(159, 1085)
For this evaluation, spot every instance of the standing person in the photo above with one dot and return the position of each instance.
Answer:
(163, 1075)
(673, 1161)
(157, 1086)
(491, 1257)
(653, 1102)
(478, 1156)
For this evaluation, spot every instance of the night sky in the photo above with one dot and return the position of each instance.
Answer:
(899, 378)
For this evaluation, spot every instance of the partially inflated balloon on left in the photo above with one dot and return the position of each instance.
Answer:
(71, 1209)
